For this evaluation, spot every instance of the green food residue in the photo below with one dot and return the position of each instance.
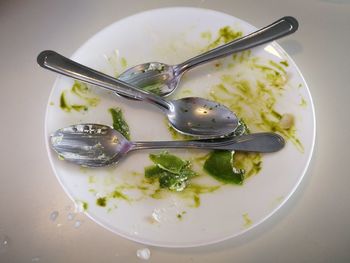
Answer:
(123, 62)
(101, 201)
(255, 101)
(273, 76)
(279, 199)
(175, 134)
(154, 88)
(225, 34)
(240, 57)
(63, 102)
(91, 179)
(303, 102)
(171, 171)
(81, 92)
(117, 63)
(207, 35)
(284, 63)
(251, 163)
(193, 192)
(180, 215)
(247, 221)
(156, 182)
(116, 194)
(119, 122)
(119, 194)
(85, 206)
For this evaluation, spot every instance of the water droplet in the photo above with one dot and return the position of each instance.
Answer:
(70, 216)
(77, 224)
(35, 259)
(4, 243)
(143, 253)
(54, 215)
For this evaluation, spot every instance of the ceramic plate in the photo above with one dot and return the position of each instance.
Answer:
(262, 85)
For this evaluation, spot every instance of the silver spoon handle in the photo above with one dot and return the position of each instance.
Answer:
(282, 27)
(255, 142)
(55, 62)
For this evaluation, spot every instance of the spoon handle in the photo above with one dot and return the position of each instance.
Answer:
(282, 27)
(53, 61)
(256, 142)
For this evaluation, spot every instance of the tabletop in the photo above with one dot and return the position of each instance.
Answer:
(37, 218)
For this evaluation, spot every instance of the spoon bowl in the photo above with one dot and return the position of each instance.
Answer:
(201, 116)
(89, 145)
(156, 77)
(96, 145)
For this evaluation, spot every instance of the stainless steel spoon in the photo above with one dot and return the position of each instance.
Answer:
(96, 145)
(192, 116)
(165, 78)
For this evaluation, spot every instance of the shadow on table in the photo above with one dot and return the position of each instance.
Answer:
(292, 47)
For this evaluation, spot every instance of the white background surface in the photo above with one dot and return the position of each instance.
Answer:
(314, 225)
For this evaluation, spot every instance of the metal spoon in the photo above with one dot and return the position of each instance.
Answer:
(95, 145)
(192, 116)
(165, 78)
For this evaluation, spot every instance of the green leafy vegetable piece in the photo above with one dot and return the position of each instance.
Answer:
(168, 162)
(153, 171)
(220, 166)
(173, 182)
(119, 122)
(171, 171)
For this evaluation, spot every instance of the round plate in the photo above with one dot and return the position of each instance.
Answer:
(118, 197)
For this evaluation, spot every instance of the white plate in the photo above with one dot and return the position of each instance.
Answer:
(173, 35)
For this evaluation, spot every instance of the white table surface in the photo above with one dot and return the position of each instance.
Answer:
(313, 226)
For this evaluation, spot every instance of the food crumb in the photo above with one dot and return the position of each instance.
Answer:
(247, 221)
(151, 220)
(287, 121)
(143, 253)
